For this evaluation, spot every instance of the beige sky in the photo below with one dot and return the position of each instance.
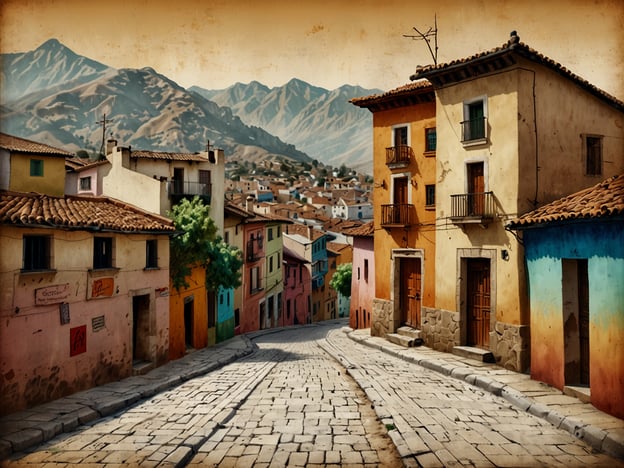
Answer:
(216, 43)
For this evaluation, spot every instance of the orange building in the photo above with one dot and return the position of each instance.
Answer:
(404, 164)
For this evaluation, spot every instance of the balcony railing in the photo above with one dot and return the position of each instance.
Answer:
(474, 129)
(397, 215)
(399, 156)
(318, 282)
(473, 208)
(181, 188)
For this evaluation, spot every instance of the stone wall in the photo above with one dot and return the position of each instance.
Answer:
(510, 345)
(382, 320)
(440, 329)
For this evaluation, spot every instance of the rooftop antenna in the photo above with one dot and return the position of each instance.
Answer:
(103, 122)
(431, 32)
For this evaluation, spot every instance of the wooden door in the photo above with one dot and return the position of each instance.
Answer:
(410, 288)
(583, 304)
(476, 189)
(478, 302)
(399, 199)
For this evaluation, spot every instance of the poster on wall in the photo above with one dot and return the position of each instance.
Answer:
(77, 340)
(102, 287)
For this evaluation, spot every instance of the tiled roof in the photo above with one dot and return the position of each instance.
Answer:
(21, 145)
(365, 230)
(79, 164)
(304, 231)
(77, 212)
(420, 85)
(601, 200)
(513, 45)
(337, 246)
(142, 154)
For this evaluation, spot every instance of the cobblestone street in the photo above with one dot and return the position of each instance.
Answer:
(311, 396)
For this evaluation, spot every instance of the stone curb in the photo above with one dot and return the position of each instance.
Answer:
(41, 431)
(595, 437)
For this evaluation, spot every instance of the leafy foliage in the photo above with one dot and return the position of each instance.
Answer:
(341, 279)
(198, 244)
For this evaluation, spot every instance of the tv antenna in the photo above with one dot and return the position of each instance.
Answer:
(103, 122)
(431, 32)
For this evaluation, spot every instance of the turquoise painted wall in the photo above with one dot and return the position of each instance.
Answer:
(602, 244)
(225, 314)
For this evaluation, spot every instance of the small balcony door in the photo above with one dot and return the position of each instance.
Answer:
(204, 180)
(399, 195)
(178, 180)
(476, 189)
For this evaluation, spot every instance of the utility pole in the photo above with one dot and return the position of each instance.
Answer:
(103, 122)
(431, 32)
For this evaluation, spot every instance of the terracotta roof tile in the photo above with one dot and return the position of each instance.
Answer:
(513, 45)
(21, 145)
(366, 230)
(78, 212)
(601, 200)
(79, 164)
(420, 85)
(143, 154)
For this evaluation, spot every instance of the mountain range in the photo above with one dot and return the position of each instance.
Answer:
(54, 96)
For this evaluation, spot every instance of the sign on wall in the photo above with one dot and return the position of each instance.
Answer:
(64, 313)
(77, 340)
(51, 294)
(103, 287)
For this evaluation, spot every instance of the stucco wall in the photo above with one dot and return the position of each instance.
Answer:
(35, 361)
(545, 249)
(52, 182)
(362, 292)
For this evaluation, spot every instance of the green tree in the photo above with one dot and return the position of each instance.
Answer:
(341, 279)
(197, 243)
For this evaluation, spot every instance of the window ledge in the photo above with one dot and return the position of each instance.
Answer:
(429, 154)
(476, 142)
(430, 207)
(103, 271)
(151, 268)
(47, 271)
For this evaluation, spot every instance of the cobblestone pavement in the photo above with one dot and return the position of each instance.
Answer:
(287, 404)
(440, 421)
(311, 396)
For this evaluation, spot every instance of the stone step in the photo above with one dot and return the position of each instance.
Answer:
(402, 340)
(581, 392)
(477, 354)
(409, 331)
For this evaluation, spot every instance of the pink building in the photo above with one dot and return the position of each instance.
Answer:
(363, 276)
(297, 289)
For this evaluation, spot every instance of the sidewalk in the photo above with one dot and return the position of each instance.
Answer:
(28, 428)
(599, 430)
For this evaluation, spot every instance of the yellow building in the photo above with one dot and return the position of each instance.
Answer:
(516, 130)
(404, 203)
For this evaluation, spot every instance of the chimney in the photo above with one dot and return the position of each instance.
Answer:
(249, 203)
(309, 232)
(110, 144)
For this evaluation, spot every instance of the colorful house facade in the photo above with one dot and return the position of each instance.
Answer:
(362, 277)
(515, 131)
(404, 207)
(574, 250)
(297, 289)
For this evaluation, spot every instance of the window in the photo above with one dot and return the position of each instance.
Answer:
(85, 183)
(366, 270)
(279, 231)
(237, 318)
(36, 254)
(102, 252)
(271, 264)
(473, 126)
(254, 280)
(429, 195)
(270, 234)
(36, 168)
(151, 253)
(288, 309)
(400, 136)
(593, 155)
(430, 139)
(226, 236)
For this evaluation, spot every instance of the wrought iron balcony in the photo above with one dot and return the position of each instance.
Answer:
(469, 208)
(399, 156)
(180, 188)
(397, 215)
(474, 130)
